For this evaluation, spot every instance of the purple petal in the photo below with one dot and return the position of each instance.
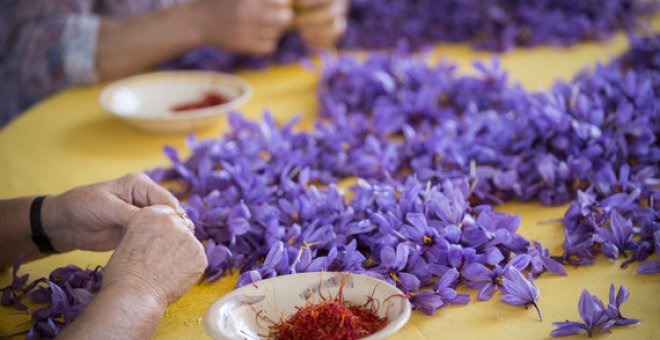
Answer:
(461, 299)
(585, 306)
(409, 281)
(554, 266)
(606, 327)
(494, 256)
(520, 261)
(622, 296)
(388, 256)
(567, 328)
(514, 300)
(402, 252)
(649, 267)
(486, 293)
(417, 220)
(477, 272)
(626, 321)
(448, 278)
(426, 302)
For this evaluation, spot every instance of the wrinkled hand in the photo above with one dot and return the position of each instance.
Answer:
(321, 22)
(93, 217)
(159, 256)
(244, 26)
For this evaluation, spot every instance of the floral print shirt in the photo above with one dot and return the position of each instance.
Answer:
(46, 45)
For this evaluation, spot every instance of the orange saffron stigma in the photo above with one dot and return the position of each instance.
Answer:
(329, 319)
(209, 99)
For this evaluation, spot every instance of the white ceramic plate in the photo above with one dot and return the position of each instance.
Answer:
(145, 101)
(234, 316)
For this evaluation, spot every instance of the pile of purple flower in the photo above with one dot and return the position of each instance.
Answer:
(490, 25)
(65, 294)
(430, 150)
(426, 144)
(430, 147)
(593, 139)
(258, 205)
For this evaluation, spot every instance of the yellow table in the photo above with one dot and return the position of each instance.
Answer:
(67, 141)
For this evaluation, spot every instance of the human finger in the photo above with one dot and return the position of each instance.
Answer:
(320, 14)
(303, 4)
(324, 36)
(279, 3)
(278, 19)
(170, 259)
(140, 190)
(178, 216)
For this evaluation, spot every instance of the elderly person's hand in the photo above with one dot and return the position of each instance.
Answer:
(93, 217)
(159, 255)
(245, 26)
(157, 261)
(320, 22)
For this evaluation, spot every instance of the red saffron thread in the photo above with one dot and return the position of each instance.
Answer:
(208, 99)
(330, 319)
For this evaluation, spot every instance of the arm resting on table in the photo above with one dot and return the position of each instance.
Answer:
(117, 313)
(15, 230)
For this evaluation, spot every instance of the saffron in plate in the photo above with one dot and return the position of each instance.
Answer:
(208, 99)
(328, 320)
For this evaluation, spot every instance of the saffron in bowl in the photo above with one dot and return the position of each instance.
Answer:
(174, 101)
(326, 305)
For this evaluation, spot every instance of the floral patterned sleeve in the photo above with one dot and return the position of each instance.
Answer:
(48, 45)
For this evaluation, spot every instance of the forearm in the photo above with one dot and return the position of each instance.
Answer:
(15, 231)
(117, 313)
(130, 45)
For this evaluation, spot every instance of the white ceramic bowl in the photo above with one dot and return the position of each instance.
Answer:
(234, 316)
(145, 101)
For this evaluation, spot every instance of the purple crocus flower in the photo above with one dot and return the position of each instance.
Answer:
(479, 276)
(427, 302)
(445, 288)
(351, 259)
(540, 261)
(218, 257)
(519, 291)
(494, 26)
(14, 292)
(304, 263)
(618, 238)
(392, 265)
(428, 238)
(592, 313)
(613, 312)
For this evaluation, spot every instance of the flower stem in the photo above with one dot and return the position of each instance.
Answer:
(538, 310)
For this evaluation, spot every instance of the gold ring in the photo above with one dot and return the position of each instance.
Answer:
(187, 220)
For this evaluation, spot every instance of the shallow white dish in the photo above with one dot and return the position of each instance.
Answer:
(145, 101)
(234, 316)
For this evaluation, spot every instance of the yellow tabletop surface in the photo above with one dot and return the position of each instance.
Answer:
(67, 140)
